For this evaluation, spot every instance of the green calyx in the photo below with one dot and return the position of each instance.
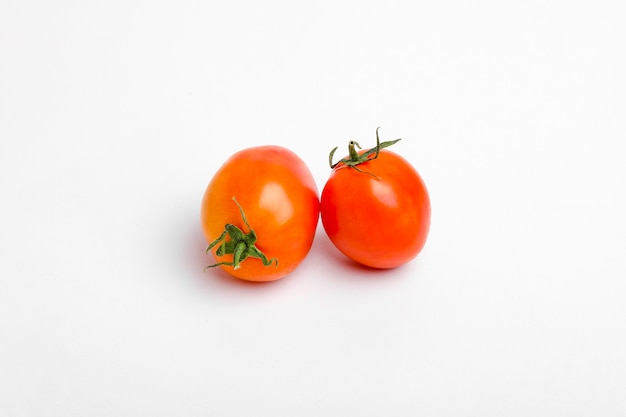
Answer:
(354, 158)
(241, 245)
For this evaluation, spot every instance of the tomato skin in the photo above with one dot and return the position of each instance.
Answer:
(279, 196)
(378, 222)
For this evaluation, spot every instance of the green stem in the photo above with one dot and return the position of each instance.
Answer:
(354, 158)
(241, 245)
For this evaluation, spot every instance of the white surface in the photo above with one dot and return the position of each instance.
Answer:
(114, 116)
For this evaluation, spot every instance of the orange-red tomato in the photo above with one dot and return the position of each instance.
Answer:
(376, 212)
(269, 195)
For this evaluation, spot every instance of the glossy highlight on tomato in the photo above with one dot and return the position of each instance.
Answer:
(259, 213)
(375, 207)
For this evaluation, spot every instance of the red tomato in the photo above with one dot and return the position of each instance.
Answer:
(375, 207)
(260, 212)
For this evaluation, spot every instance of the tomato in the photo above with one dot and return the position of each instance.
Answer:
(375, 207)
(259, 213)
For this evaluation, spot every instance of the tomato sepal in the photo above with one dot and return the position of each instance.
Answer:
(356, 158)
(241, 245)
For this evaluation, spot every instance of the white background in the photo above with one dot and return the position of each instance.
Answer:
(114, 115)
